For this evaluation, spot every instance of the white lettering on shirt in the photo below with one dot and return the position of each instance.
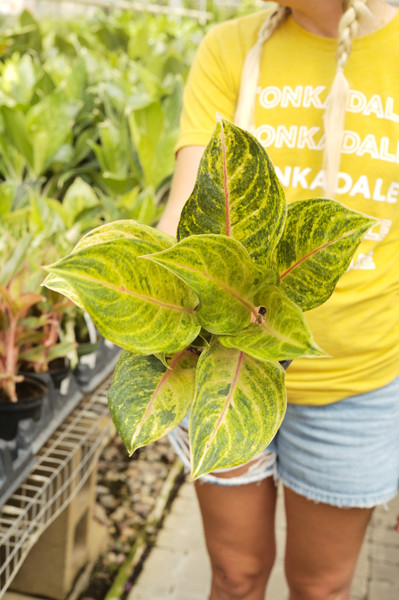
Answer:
(304, 178)
(308, 96)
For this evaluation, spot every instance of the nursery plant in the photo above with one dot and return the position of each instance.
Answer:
(205, 320)
(29, 321)
(97, 98)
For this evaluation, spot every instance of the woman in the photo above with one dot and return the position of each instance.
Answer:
(317, 82)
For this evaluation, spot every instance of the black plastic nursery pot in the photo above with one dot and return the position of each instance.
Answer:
(31, 393)
(59, 370)
(285, 364)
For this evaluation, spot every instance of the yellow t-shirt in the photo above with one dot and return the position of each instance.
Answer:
(359, 325)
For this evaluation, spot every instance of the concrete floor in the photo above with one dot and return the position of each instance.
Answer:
(178, 567)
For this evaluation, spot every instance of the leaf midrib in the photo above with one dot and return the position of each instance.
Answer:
(227, 403)
(225, 183)
(215, 281)
(319, 249)
(150, 405)
(124, 290)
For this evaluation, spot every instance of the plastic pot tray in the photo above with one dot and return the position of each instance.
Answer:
(17, 455)
(93, 368)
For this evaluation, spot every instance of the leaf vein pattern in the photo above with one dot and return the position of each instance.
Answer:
(315, 251)
(150, 405)
(228, 400)
(221, 284)
(124, 290)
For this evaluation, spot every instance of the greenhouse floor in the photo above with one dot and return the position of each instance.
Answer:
(178, 568)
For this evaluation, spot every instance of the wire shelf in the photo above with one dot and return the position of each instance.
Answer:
(63, 7)
(61, 468)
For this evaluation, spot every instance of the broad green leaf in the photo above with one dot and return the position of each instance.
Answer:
(281, 332)
(49, 123)
(172, 105)
(79, 196)
(14, 261)
(140, 206)
(236, 193)
(146, 125)
(42, 355)
(60, 285)
(13, 164)
(124, 229)
(29, 38)
(7, 194)
(221, 272)
(154, 129)
(147, 399)
(70, 73)
(135, 304)
(19, 78)
(17, 131)
(43, 217)
(239, 404)
(319, 239)
(115, 154)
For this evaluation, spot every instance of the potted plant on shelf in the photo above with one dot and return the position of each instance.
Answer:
(16, 330)
(29, 327)
(205, 322)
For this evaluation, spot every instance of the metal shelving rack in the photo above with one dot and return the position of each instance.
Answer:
(62, 8)
(61, 469)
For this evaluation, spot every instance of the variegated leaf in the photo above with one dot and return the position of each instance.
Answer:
(56, 283)
(236, 193)
(147, 399)
(280, 333)
(134, 303)
(238, 407)
(123, 229)
(319, 239)
(222, 274)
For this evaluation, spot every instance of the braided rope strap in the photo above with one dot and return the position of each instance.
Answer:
(334, 116)
(244, 116)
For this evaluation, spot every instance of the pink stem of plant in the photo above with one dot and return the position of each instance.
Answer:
(12, 354)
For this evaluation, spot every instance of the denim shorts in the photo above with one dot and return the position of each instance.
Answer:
(345, 454)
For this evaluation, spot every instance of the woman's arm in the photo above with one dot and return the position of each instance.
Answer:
(187, 162)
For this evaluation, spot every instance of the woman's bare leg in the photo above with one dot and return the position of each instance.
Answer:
(323, 545)
(239, 532)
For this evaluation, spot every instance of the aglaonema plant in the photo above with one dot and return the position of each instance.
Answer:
(204, 321)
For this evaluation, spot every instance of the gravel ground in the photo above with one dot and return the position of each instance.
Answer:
(127, 489)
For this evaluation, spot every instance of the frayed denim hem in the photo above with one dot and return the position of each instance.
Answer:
(261, 467)
(340, 501)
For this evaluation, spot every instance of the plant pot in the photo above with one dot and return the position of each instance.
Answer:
(31, 393)
(59, 370)
(285, 364)
(87, 336)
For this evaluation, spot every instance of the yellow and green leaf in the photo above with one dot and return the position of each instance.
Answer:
(319, 239)
(236, 194)
(239, 404)
(222, 274)
(280, 333)
(148, 399)
(134, 303)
